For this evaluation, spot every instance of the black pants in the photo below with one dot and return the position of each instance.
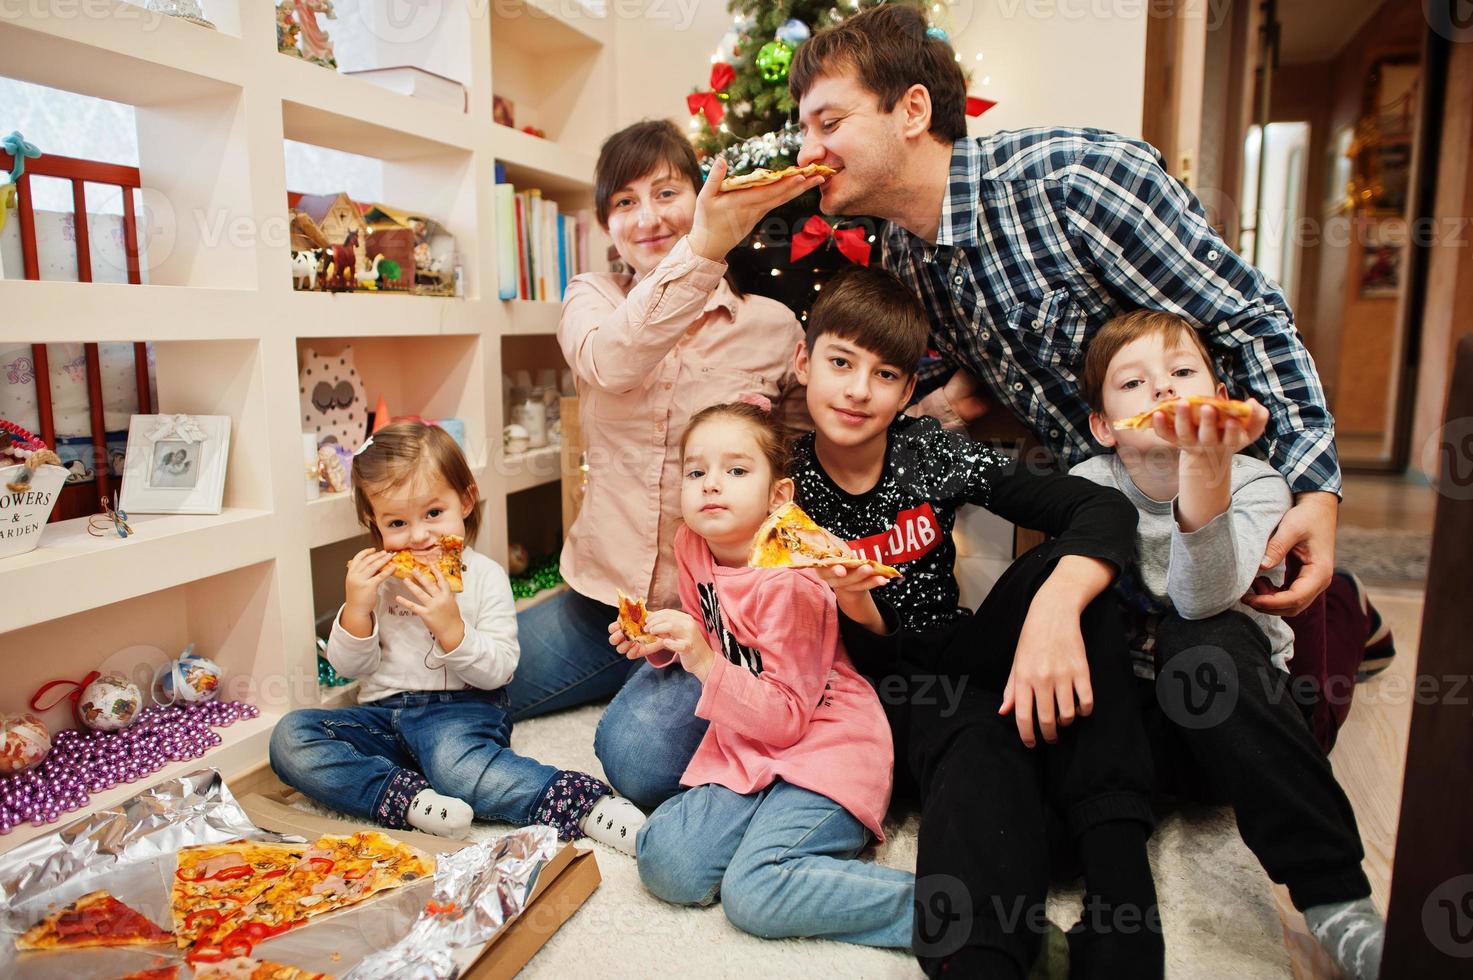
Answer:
(982, 867)
(1224, 728)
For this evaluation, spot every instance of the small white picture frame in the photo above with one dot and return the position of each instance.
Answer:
(175, 464)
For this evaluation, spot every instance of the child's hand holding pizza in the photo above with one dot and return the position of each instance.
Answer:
(680, 635)
(435, 606)
(630, 648)
(366, 572)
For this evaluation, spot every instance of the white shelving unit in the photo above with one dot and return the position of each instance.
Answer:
(213, 110)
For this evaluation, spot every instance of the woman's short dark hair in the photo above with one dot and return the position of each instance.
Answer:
(636, 151)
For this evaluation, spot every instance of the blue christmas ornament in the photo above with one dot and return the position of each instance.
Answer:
(937, 33)
(191, 678)
(795, 32)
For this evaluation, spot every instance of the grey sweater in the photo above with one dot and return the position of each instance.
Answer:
(1204, 572)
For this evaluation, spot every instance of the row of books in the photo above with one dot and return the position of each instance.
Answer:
(538, 248)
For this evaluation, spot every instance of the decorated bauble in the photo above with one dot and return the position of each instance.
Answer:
(24, 742)
(109, 703)
(794, 32)
(773, 60)
(727, 49)
(189, 679)
(517, 559)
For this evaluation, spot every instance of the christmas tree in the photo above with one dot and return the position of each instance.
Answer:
(746, 115)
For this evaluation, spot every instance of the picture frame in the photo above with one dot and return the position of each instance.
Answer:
(1382, 254)
(175, 464)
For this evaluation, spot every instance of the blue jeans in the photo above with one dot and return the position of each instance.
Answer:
(782, 861)
(363, 759)
(650, 731)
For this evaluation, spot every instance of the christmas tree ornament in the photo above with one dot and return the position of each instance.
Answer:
(976, 105)
(109, 703)
(190, 679)
(729, 48)
(24, 743)
(773, 60)
(712, 103)
(851, 242)
(103, 702)
(794, 32)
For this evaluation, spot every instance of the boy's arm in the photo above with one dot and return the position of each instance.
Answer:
(1215, 564)
(1085, 518)
(487, 657)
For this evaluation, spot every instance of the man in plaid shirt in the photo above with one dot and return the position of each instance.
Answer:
(1021, 244)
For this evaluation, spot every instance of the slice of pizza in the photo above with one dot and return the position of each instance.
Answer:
(1227, 408)
(762, 176)
(451, 566)
(95, 919)
(334, 873)
(213, 881)
(790, 539)
(246, 968)
(632, 616)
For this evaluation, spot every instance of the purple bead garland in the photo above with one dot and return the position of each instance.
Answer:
(82, 763)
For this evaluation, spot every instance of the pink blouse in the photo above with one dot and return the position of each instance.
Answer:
(649, 354)
(783, 699)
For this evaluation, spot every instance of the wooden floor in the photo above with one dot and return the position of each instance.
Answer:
(1370, 756)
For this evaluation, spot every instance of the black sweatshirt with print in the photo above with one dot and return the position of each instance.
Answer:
(906, 519)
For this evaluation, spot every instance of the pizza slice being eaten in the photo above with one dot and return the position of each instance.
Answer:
(1227, 408)
(450, 562)
(95, 919)
(762, 176)
(789, 538)
(632, 618)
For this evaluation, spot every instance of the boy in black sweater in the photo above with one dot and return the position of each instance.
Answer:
(1047, 646)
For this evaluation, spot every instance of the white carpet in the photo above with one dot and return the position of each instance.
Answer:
(1219, 917)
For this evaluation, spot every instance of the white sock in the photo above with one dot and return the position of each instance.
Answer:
(614, 821)
(1352, 933)
(436, 814)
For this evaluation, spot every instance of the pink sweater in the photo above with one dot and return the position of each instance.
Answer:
(783, 699)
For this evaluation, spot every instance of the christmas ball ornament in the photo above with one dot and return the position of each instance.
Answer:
(773, 60)
(937, 33)
(24, 742)
(109, 703)
(517, 559)
(794, 32)
(189, 679)
(727, 50)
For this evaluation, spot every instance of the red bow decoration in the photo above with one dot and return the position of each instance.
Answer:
(709, 102)
(75, 696)
(853, 243)
(975, 105)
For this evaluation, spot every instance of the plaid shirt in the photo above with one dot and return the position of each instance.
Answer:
(1047, 233)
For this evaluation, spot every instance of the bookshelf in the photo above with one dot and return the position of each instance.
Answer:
(213, 110)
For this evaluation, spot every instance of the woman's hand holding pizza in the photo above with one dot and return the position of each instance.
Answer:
(724, 219)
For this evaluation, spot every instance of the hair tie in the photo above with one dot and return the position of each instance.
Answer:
(758, 401)
(366, 443)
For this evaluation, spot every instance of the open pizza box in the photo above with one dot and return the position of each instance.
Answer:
(563, 885)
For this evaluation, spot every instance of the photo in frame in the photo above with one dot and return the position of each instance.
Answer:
(176, 464)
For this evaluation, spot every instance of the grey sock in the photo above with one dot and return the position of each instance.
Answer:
(1352, 933)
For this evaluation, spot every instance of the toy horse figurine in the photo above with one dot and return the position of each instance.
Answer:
(342, 272)
(316, 46)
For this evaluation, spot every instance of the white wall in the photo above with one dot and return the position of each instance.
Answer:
(1051, 62)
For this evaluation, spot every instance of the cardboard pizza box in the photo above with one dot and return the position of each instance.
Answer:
(563, 886)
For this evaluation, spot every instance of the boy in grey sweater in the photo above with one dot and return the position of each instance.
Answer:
(1214, 673)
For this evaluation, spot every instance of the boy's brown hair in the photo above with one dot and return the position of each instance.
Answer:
(773, 437)
(875, 310)
(401, 452)
(1126, 329)
(638, 150)
(888, 50)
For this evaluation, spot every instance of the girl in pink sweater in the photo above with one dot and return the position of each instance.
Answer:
(793, 775)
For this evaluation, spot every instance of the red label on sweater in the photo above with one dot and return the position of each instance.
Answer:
(915, 532)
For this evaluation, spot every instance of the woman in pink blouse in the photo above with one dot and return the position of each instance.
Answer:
(649, 351)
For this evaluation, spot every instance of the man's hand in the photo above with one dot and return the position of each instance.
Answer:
(1307, 530)
(436, 607)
